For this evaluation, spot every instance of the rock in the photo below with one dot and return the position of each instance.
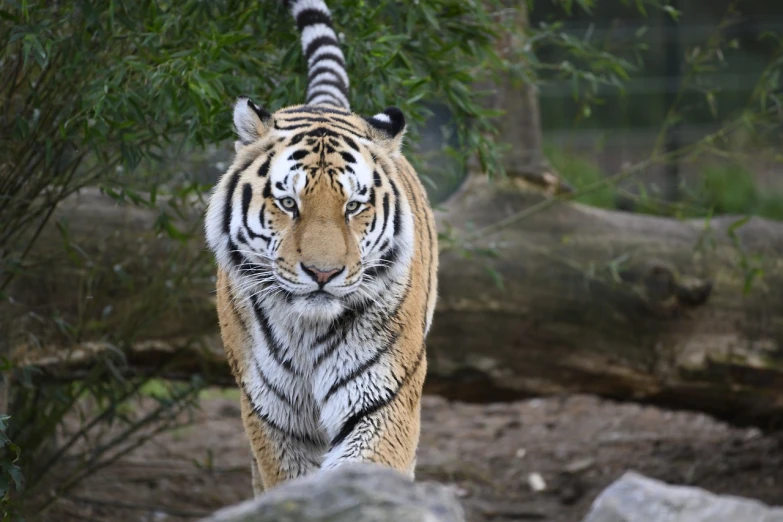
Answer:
(352, 493)
(636, 498)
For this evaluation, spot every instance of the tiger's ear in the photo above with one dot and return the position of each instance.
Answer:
(250, 121)
(388, 129)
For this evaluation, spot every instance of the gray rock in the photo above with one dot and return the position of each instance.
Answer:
(636, 498)
(352, 493)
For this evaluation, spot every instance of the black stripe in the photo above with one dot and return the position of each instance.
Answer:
(328, 57)
(313, 132)
(263, 170)
(227, 209)
(300, 437)
(316, 69)
(385, 219)
(274, 347)
(319, 42)
(356, 132)
(341, 121)
(271, 387)
(311, 17)
(351, 143)
(340, 86)
(317, 90)
(290, 127)
(352, 421)
(314, 110)
(320, 131)
(347, 156)
(326, 131)
(247, 195)
(361, 369)
(389, 258)
(308, 119)
(298, 154)
(298, 138)
(330, 101)
(240, 261)
(339, 330)
(330, 349)
(397, 222)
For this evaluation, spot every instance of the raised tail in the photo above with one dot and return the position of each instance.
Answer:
(327, 80)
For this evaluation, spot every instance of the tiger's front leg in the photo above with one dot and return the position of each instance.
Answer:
(276, 456)
(380, 424)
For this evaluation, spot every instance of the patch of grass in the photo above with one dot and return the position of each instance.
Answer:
(721, 188)
(731, 189)
(162, 389)
(581, 172)
(220, 393)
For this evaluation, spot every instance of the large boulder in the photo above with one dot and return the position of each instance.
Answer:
(636, 498)
(352, 493)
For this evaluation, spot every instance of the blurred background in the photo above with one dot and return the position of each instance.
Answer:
(606, 175)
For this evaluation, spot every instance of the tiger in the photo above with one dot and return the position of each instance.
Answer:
(326, 252)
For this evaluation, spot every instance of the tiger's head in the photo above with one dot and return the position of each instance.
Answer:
(308, 213)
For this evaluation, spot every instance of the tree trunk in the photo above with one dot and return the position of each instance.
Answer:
(626, 306)
(520, 125)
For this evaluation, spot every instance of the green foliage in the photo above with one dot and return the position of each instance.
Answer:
(581, 172)
(10, 473)
(719, 189)
(107, 419)
(731, 189)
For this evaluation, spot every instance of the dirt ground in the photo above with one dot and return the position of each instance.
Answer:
(487, 452)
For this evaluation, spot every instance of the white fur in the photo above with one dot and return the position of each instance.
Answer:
(246, 121)
(334, 92)
(334, 68)
(301, 5)
(382, 117)
(325, 49)
(311, 32)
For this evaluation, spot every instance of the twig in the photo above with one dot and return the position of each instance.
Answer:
(598, 185)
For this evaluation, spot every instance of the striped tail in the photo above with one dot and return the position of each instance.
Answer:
(327, 81)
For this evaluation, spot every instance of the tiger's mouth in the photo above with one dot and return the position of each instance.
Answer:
(320, 296)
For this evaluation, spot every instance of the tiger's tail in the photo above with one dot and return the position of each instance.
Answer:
(327, 80)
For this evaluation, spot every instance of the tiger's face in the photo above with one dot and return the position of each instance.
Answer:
(307, 214)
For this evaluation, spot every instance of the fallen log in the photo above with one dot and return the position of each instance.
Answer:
(685, 314)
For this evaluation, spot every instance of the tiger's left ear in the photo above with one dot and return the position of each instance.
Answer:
(388, 129)
(250, 121)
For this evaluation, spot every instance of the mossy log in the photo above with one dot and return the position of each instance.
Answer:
(686, 314)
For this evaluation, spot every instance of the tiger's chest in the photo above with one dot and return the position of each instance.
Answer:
(305, 379)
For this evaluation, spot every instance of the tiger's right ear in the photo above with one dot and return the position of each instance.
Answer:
(250, 121)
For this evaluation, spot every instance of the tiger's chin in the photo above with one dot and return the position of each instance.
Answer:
(317, 306)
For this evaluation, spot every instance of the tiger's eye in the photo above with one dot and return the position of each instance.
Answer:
(352, 206)
(288, 203)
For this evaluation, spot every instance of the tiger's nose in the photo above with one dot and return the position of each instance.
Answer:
(320, 275)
